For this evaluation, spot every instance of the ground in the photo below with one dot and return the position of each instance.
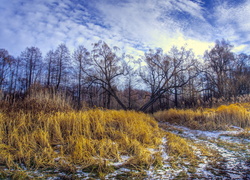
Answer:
(220, 154)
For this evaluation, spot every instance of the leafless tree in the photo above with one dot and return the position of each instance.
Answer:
(80, 57)
(165, 73)
(131, 80)
(6, 62)
(31, 60)
(49, 67)
(62, 61)
(104, 68)
(241, 75)
(219, 62)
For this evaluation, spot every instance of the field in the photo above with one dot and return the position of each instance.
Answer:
(61, 143)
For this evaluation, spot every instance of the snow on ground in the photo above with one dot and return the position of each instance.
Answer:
(229, 158)
(232, 157)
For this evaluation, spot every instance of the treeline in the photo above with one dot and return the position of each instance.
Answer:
(105, 77)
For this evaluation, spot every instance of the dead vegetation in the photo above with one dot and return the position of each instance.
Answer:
(43, 132)
(220, 118)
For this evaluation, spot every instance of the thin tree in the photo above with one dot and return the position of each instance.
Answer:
(6, 62)
(49, 67)
(62, 60)
(31, 60)
(80, 56)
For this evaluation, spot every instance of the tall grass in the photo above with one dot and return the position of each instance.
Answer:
(37, 100)
(220, 118)
(89, 139)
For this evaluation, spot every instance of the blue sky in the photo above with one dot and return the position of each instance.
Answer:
(133, 25)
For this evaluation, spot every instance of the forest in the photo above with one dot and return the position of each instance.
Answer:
(107, 77)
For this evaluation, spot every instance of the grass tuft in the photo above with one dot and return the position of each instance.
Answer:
(180, 151)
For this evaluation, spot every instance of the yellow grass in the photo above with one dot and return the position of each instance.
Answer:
(179, 150)
(244, 134)
(208, 119)
(178, 146)
(88, 139)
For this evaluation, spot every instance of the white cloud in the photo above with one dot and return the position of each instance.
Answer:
(150, 25)
(132, 25)
(239, 48)
(190, 7)
(233, 24)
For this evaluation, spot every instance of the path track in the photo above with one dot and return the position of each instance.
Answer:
(231, 155)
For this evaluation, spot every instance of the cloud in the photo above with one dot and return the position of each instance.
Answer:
(194, 9)
(232, 23)
(152, 24)
(31, 23)
(133, 25)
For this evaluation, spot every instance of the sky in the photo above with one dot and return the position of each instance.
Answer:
(133, 25)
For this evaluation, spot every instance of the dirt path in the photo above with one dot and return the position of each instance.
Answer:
(226, 157)
(219, 155)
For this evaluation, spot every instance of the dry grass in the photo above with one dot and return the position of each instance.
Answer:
(180, 151)
(243, 134)
(42, 131)
(208, 119)
(231, 146)
(37, 100)
(178, 146)
(89, 139)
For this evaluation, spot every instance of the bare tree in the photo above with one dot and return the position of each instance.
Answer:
(80, 57)
(131, 80)
(62, 60)
(49, 67)
(6, 62)
(104, 68)
(165, 73)
(241, 75)
(219, 65)
(31, 59)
